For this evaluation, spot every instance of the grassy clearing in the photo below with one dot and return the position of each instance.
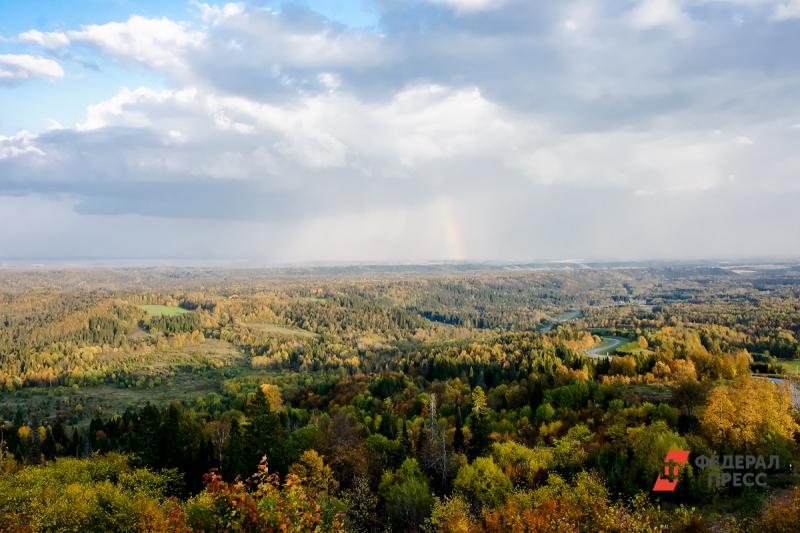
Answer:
(280, 330)
(210, 353)
(163, 310)
(106, 399)
(653, 393)
(792, 366)
(159, 377)
(632, 348)
(629, 347)
(566, 316)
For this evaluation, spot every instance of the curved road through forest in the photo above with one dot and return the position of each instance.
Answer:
(603, 349)
(600, 351)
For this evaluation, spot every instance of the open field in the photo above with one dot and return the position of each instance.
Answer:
(632, 347)
(157, 377)
(792, 366)
(211, 352)
(80, 404)
(163, 310)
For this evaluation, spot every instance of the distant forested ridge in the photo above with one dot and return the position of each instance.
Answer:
(202, 400)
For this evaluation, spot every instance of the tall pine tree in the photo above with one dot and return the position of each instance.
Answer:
(265, 436)
(235, 464)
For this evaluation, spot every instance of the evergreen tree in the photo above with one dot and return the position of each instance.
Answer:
(144, 440)
(60, 437)
(405, 442)
(35, 450)
(536, 395)
(479, 424)
(171, 449)
(265, 436)
(458, 436)
(234, 463)
(49, 445)
(388, 426)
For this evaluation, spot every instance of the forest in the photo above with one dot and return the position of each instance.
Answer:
(422, 400)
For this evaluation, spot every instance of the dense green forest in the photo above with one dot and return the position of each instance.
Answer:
(359, 400)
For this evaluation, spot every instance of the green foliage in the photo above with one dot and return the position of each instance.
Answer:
(407, 495)
(569, 396)
(482, 483)
(649, 446)
(545, 413)
(523, 465)
(570, 450)
(101, 494)
(264, 435)
(173, 324)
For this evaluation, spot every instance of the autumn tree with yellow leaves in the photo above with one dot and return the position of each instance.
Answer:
(750, 415)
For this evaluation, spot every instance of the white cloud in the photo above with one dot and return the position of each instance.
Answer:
(263, 37)
(17, 67)
(154, 42)
(137, 108)
(425, 134)
(214, 14)
(787, 10)
(419, 125)
(469, 6)
(657, 13)
(48, 40)
(329, 80)
(17, 145)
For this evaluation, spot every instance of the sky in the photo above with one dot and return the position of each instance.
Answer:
(400, 130)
